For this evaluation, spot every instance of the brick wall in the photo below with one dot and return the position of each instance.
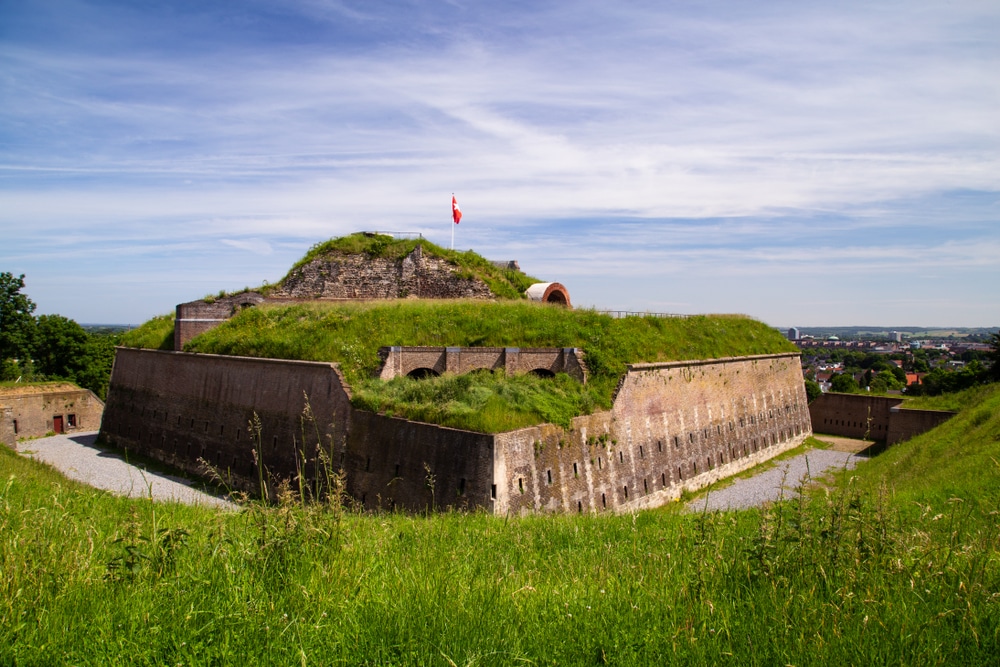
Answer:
(33, 412)
(391, 464)
(905, 424)
(179, 408)
(398, 361)
(7, 436)
(672, 427)
(874, 417)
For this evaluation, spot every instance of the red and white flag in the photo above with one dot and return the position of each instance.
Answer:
(456, 212)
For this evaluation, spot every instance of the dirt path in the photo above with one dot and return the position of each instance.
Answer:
(79, 457)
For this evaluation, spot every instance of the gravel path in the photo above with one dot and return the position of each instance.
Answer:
(78, 457)
(766, 486)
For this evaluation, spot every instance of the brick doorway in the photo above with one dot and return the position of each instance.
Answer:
(57, 424)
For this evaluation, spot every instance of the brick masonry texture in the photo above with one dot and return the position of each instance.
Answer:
(672, 427)
(183, 409)
(398, 361)
(32, 414)
(873, 417)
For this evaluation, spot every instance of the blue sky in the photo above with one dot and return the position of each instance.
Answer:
(804, 163)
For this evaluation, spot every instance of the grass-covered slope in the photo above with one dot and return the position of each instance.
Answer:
(154, 334)
(351, 334)
(959, 459)
(898, 564)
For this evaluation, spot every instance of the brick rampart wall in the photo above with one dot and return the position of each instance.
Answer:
(34, 413)
(404, 360)
(672, 427)
(391, 463)
(905, 424)
(179, 408)
(874, 417)
(7, 436)
(849, 414)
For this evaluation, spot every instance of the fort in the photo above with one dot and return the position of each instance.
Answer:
(671, 425)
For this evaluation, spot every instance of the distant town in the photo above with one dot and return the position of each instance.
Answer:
(912, 360)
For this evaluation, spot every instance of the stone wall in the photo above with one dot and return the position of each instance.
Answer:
(344, 276)
(37, 410)
(398, 361)
(184, 408)
(906, 424)
(398, 464)
(672, 426)
(7, 436)
(877, 418)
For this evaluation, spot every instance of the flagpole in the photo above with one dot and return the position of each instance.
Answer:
(453, 225)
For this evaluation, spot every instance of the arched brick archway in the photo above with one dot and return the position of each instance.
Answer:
(549, 293)
(423, 373)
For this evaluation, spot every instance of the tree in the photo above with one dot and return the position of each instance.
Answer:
(813, 390)
(844, 383)
(17, 324)
(994, 356)
(66, 351)
(62, 348)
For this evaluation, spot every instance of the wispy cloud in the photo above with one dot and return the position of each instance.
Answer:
(655, 139)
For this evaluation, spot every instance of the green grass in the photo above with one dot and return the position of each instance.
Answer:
(953, 401)
(960, 458)
(351, 334)
(897, 563)
(156, 334)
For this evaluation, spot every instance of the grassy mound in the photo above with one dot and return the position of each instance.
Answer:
(351, 334)
(155, 334)
(504, 283)
(897, 564)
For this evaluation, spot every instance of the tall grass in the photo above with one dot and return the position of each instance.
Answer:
(351, 335)
(876, 569)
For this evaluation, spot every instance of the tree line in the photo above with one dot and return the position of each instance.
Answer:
(49, 347)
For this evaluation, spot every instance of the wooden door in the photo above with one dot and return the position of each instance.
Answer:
(57, 424)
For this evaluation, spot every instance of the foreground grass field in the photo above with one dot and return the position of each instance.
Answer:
(898, 564)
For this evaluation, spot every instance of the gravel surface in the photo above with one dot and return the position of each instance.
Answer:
(78, 457)
(767, 485)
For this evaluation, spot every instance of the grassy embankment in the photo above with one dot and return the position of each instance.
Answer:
(898, 565)
(351, 334)
(504, 283)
